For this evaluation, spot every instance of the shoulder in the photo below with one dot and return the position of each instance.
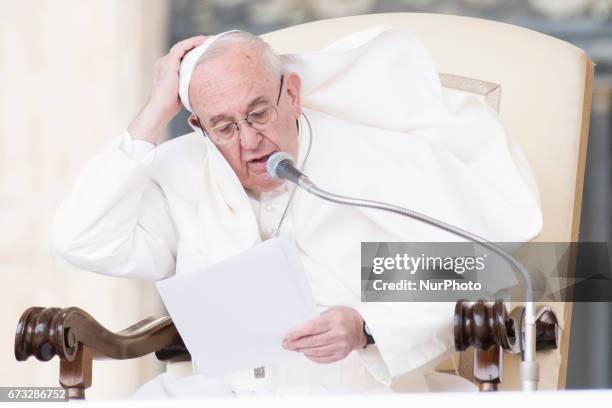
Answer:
(178, 164)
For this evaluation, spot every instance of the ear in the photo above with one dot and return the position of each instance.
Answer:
(294, 88)
(193, 121)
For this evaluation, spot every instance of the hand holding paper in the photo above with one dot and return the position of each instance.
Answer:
(329, 337)
(234, 315)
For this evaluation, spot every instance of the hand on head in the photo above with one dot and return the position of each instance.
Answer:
(164, 102)
(239, 96)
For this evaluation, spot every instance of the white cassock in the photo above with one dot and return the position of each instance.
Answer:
(378, 128)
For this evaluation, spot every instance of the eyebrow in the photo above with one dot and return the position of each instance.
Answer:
(218, 118)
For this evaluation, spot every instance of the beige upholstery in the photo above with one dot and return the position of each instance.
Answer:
(545, 86)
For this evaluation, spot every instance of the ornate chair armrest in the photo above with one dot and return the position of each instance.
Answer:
(491, 330)
(77, 338)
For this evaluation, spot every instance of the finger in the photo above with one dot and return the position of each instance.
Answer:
(189, 42)
(180, 48)
(329, 310)
(311, 327)
(318, 340)
(177, 52)
(325, 359)
(331, 349)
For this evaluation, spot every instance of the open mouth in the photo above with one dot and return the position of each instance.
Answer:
(262, 159)
(259, 165)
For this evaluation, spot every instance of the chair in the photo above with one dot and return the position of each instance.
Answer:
(543, 100)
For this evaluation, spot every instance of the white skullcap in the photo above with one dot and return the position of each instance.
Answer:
(188, 65)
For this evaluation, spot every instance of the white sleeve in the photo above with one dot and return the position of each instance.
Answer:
(115, 218)
(409, 337)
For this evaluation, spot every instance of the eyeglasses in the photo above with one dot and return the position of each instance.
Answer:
(259, 119)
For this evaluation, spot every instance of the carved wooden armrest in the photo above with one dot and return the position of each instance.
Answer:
(77, 338)
(491, 331)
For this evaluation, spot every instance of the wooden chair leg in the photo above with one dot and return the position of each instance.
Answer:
(488, 367)
(75, 376)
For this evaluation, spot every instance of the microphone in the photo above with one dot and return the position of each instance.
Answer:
(281, 166)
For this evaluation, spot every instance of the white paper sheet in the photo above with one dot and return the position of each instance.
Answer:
(234, 315)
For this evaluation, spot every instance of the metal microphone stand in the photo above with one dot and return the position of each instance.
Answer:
(529, 367)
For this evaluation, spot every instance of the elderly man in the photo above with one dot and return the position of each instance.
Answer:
(364, 117)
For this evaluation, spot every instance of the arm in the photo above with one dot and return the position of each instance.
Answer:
(410, 336)
(115, 219)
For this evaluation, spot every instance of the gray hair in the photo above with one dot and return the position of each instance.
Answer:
(271, 60)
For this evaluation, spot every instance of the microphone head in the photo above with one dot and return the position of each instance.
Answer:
(274, 161)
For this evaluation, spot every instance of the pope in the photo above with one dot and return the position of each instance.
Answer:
(365, 117)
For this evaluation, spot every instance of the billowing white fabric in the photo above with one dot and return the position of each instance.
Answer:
(381, 130)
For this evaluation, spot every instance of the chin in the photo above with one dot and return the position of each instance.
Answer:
(266, 184)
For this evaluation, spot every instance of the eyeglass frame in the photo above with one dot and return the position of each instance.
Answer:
(245, 119)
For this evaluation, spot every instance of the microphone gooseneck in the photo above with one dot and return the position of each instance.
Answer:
(281, 166)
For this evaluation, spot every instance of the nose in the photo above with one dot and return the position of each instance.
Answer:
(249, 137)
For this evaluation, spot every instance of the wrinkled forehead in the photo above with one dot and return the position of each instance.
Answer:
(230, 81)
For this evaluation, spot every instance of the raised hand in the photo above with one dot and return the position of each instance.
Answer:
(164, 102)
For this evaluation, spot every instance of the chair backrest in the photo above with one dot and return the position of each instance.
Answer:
(545, 88)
